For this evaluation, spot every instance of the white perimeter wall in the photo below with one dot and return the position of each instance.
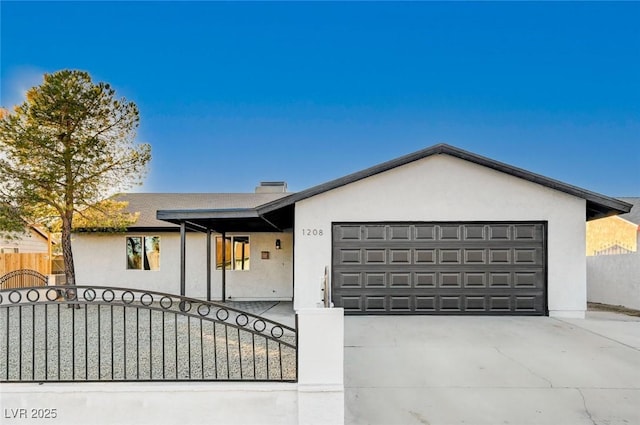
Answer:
(445, 188)
(100, 259)
(317, 398)
(614, 279)
(170, 404)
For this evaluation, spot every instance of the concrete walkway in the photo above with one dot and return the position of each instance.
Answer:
(278, 311)
(492, 370)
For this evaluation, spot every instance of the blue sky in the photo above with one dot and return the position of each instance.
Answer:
(234, 93)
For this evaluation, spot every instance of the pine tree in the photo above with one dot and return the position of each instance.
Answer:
(68, 147)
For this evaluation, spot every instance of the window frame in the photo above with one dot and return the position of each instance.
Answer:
(145, 263)
(231, 261)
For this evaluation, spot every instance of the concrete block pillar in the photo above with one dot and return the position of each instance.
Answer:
(321, 366)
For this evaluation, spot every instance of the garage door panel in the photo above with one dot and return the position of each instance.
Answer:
(450, 232)
(526, 279)
(425, 304)
(375, 280)
(462, 276)
(375, 233)
(437, 291)
(500, 280)
(424, 232)
(528, 256)
(532, 232)
(347, 233)
(424, 280)
(475, 232)
(524, 256)
(400, 280)
(376, 303)
(401, 233)
(447, 303)
(500, 304)
(451, 303)
(400, 256)
(348, 280)
(475, 280)
(440, 255)
(499, 256)
(424, 256)
(500, 232)
(400, 304)
(350, 256)
(525, 304)
(475, 304)
(475, 256)
(450, 256)
(450, 280)
(439, 268)
(351, 304)
(375, 256)
(434, 244)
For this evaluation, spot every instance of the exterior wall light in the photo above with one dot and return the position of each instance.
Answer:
(278, 244)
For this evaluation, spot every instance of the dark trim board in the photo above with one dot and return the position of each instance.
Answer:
(440, 268)
(597, 205)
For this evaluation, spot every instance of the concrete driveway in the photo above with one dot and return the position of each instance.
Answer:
(492, 370)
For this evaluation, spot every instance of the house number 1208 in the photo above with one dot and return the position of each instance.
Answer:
(312, 232)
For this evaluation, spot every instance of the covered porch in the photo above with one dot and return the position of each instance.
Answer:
(256, 257)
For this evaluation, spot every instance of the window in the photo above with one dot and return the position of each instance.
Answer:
(8, 250)
(143, 252)
(237, 252)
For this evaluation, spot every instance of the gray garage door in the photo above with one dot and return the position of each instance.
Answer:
(440, 268)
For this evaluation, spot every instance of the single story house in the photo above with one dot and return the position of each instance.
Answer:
(438, 231)
(147, 255)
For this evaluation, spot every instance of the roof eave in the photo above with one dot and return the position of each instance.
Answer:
(220, 220)
(597, 205)
(166, 215)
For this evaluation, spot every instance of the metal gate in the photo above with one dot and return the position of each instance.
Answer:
(23, 278)
(91, 333)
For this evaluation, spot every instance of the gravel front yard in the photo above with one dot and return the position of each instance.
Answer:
(111, 342)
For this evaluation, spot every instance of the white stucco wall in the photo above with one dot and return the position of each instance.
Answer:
(321, 349)
(100, 259)
(444, 188)
(166, 403)
(614, 279)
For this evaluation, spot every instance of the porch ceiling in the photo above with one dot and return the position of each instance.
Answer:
(220, 220)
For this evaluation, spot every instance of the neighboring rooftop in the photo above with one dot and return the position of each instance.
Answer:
(147, 204)
(634, 215)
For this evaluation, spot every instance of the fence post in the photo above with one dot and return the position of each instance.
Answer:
(321, 366)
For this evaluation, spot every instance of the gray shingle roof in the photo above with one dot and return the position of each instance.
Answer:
(147, 204)
(634, 215)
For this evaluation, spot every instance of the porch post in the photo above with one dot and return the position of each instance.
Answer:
(183, 251)
(208, 264)
(224, 266)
